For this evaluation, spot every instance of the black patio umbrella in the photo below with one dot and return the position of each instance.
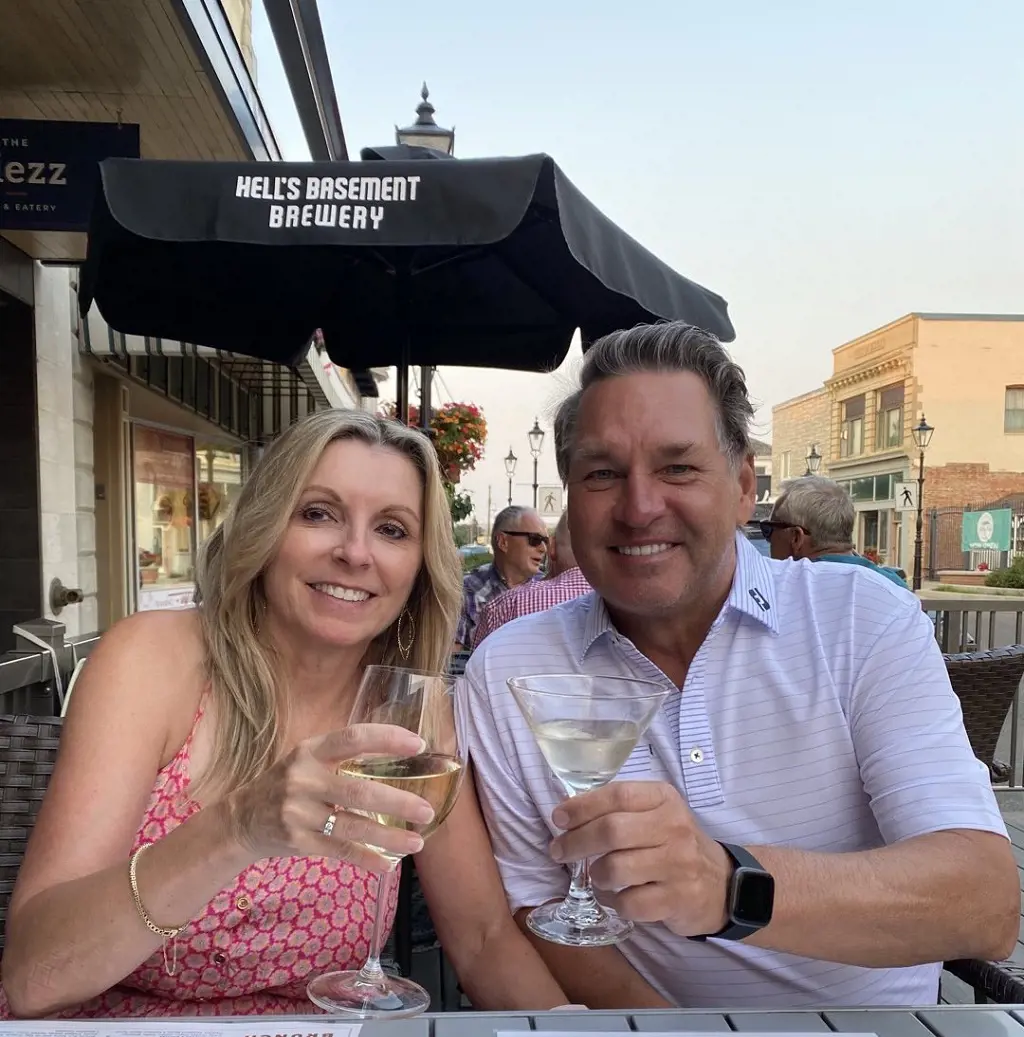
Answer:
(474, 262)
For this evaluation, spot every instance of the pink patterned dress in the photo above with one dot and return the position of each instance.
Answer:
(257, 943)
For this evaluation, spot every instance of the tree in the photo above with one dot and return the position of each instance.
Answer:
(458, 432)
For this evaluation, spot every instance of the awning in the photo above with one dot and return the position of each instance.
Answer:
(263, 377)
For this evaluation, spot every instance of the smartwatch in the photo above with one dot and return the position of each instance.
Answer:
(749, 899)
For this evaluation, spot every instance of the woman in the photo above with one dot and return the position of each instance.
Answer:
(209, 738)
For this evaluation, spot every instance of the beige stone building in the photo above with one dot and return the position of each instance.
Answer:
(798, 425)
(964, 372)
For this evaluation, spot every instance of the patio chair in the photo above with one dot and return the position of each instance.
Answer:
(985, 683)
(28, 751)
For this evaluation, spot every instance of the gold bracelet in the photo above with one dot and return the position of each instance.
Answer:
(159, 930)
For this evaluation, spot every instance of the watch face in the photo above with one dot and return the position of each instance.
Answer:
(753, 897)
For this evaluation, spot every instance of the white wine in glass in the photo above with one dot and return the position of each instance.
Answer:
(424, 703)
(586, 727)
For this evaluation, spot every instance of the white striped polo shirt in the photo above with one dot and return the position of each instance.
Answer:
(817, 714)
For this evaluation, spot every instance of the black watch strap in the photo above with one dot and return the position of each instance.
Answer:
(733, 929)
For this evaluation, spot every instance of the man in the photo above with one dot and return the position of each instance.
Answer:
(563, 581)
(519, 540)
(813, 518)
(812, 827)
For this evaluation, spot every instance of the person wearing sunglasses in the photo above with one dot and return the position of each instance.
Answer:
(519, 543)
(813, 518)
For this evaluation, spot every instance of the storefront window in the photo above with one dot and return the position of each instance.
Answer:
(164, 473)
(219, 478)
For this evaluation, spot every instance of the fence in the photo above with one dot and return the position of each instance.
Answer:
(944, 534)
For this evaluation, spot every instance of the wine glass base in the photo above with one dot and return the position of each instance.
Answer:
(348, 993)
(553, 923)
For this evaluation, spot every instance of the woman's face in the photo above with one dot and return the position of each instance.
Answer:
(353, 547)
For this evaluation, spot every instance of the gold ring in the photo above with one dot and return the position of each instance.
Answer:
(329, 825)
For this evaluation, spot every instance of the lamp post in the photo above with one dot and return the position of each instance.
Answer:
(536, 438)
(922, 433)
(510, 471)
(425, 133)
(813, 460)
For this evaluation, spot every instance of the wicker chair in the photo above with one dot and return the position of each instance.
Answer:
(28, 750)
(985, 683)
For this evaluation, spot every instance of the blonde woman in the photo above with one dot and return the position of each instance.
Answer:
(207, 737)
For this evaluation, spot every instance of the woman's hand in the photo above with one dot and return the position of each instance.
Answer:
(284, 812)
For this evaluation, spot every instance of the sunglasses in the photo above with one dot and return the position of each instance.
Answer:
(767, 528)
(533, 539)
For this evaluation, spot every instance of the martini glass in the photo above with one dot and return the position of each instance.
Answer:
(425, 703)
(586, 727)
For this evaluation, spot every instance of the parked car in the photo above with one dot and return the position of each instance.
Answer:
(756, 537)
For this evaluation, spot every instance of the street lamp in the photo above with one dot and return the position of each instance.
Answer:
(536, 438)
(922, 433)
(425, 133)
(510, 471)
(813, 460)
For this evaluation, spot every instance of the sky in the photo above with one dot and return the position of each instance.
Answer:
(827, 168)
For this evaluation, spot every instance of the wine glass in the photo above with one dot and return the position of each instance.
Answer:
(586, 727)
(424, 703)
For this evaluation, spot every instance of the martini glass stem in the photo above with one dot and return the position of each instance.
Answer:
(580, 905)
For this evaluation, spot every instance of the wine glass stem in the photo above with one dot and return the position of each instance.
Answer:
(371, 972)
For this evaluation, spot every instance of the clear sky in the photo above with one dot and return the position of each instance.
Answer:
(826, 167)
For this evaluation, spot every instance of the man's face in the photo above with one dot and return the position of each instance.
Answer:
(521, 556)
(654, 503)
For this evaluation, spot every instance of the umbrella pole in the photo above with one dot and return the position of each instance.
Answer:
(402, 390)
(403, 290)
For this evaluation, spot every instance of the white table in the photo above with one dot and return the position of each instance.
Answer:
(942, 1020)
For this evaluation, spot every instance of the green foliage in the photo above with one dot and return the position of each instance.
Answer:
(459, 504)
(1012, 577)
(474, 561)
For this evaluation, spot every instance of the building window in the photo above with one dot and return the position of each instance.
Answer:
(182, 492)
(1013, 418)
(164, 474)
(219, 482)
(851, 442)
(889, 425)
(787, 460)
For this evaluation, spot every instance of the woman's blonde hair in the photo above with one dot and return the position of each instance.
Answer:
(242, 668)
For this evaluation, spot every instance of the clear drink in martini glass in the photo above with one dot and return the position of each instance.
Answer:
(586, 727)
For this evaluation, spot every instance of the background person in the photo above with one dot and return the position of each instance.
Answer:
(813, 517)
(519, 541)
(562, 582)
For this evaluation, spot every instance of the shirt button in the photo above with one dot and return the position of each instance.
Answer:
(696, 756)
(243, 903)
(219, 958)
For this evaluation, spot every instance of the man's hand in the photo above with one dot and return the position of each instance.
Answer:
(651, 851)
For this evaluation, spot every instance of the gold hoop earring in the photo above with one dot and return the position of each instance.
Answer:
(406, 648)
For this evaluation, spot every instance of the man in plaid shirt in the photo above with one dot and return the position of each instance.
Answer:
(563, 582)
(519, 541)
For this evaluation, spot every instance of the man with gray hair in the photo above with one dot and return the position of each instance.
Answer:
(804, 822)
(813, 518)
(519, 540)
(562, 581)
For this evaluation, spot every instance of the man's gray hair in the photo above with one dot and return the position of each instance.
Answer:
(820, 506)
(507, 518)
(670, 347)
